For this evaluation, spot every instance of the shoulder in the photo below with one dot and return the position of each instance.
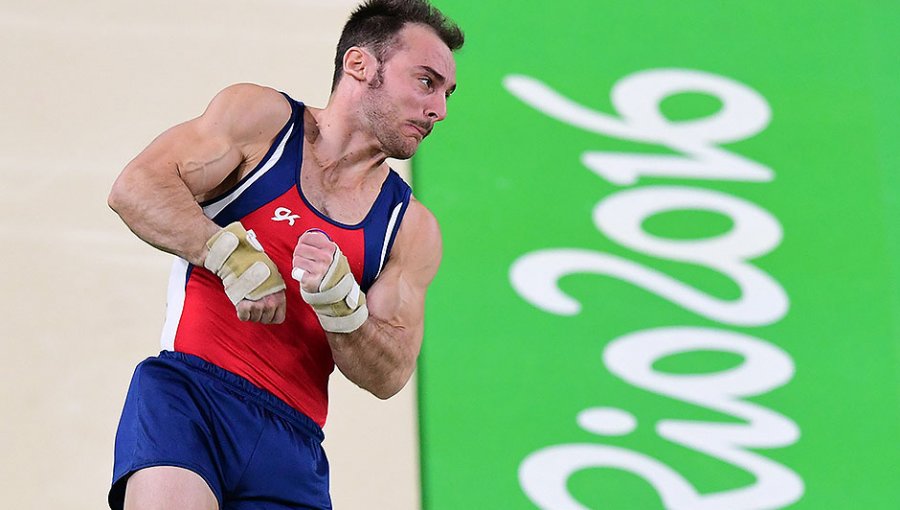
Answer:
(420, 218)
(247, 112)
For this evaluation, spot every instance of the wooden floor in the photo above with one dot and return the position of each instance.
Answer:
(85, 86)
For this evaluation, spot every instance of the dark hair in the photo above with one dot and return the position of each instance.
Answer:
(375, 23)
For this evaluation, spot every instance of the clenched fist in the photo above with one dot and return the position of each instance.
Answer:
(327, 284)
(312, 258)
(251, 280)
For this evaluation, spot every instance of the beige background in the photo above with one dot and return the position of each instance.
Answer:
(85, 86)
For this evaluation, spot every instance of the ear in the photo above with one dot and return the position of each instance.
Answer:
(359, 63)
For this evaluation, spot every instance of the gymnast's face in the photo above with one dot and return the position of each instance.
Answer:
(408, 93)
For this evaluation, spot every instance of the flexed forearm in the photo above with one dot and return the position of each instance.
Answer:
(375, 336)
(376, 350)
(161, 210)
(378, 357)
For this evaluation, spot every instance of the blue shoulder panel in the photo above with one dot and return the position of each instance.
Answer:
(383, 225)
(275, 174)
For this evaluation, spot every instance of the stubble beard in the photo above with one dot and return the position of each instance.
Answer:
(384, 120)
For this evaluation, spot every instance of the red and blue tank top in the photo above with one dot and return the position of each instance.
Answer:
(291, 360)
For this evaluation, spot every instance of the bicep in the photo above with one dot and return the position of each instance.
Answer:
(398, 295)
(397, 300)
(202, 153)
(193, 153)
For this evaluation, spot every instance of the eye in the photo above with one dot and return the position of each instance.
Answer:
(426, 81)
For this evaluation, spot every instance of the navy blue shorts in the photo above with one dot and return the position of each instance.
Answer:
(252, 449)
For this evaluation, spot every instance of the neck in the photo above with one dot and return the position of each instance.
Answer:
(340, 141)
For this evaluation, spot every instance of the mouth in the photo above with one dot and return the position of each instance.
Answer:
(422, 130)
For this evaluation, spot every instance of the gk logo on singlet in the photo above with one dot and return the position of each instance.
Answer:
(285, 214)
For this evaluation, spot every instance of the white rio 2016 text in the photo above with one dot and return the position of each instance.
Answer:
(543, 475)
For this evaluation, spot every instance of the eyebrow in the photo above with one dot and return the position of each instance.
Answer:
(439, 77)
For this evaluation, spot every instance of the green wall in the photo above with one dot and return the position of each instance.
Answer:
(670, 258)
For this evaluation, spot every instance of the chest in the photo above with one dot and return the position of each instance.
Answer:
(343, 203)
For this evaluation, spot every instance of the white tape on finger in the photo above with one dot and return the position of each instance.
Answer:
(297, 273)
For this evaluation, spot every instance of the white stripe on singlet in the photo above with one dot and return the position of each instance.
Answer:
(387, 236)
(174, 303)
(213, 209)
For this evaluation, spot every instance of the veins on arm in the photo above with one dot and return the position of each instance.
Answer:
(203, 175)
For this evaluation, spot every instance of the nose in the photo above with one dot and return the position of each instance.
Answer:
(437, 108)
